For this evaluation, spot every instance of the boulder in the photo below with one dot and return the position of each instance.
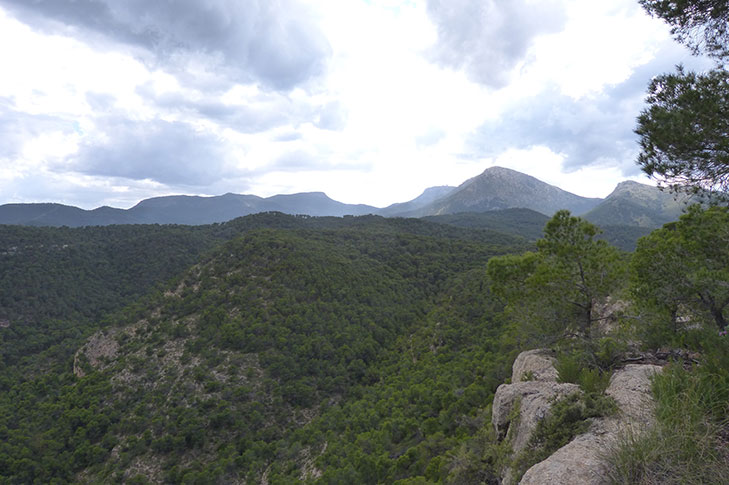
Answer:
(535, 399)
(580, 462)
(537, 365)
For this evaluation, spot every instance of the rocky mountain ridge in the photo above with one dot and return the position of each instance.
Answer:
(497, 188)
(503, 188)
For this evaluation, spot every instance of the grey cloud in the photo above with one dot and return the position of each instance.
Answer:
(16, 127)
(245, 119)
(288, 136)
(589, 131)
(270, 41)
(170, 153)
(305, 161)
(264, 112)
(297, 161)
(488, 38)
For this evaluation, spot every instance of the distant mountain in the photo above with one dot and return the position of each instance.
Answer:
(61, 215)
(184, 209)
(502, 188)
(635, 204)
(316, 204)
(429, 196)
(179, 209)
(472, 204)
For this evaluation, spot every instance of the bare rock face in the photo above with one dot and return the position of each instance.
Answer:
(580, 461)
(631, 389)
(518, 407)
(536, 365)
(534, 399)
(99, 347)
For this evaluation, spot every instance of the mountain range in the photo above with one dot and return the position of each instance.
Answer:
(497, 188)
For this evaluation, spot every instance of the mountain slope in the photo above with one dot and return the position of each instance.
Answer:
(635, 204)
(502, 188)
(523, 222)
(192, 210)
(428, 196)
(270, 333)
(630, 204)
(61, 215)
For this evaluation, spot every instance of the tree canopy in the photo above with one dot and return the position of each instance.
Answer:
(684, 131)
(685, 265)
(699, 24)
(554, 293)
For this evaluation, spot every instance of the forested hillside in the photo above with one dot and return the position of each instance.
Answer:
(281, 349)
(214, 375)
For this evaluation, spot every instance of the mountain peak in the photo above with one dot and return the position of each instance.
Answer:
(636, 204)
(496, 170)
(502, 188)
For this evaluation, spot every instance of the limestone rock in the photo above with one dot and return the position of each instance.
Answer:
(631, 389)
(580, 461)
(99, 347)
(535, 400)
(538, 364)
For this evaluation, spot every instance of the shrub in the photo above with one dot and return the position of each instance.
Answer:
(687, 445)
(568, 417)
(568, 369)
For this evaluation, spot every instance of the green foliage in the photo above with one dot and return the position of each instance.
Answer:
(365, 347)
(568, 417)
(681, 274)
(56, 284)
(688, 445)
(683, 132)
(528, 376)
(524, 222)
(594, 381)
(552, 294)
(568, 368)
(571, 368)
(702, 25)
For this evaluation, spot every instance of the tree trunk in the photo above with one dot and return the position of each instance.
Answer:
(718, 315)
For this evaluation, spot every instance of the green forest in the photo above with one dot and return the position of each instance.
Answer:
(293, 349)
(327, 350)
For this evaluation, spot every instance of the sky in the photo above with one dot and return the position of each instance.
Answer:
(108, 102)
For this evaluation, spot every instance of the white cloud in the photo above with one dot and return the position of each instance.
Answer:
(370, 101)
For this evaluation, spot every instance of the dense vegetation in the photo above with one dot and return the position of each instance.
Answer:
(216, 375)
(367, 350)
(352, 350)
(683, 130)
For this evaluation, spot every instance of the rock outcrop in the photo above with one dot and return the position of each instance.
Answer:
(582, 460)
(533, 396)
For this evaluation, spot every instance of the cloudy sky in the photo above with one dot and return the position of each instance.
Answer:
(107, 102)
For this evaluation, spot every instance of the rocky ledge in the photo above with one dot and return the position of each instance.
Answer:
(535, 388)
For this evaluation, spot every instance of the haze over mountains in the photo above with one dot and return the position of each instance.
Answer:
(497, 188)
